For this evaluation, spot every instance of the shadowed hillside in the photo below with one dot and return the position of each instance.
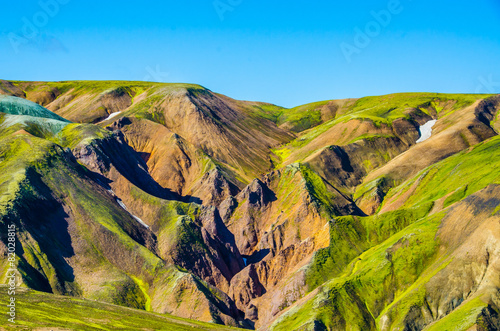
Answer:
(174, 200)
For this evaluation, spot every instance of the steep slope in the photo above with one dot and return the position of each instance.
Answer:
(83, 240)
(216, 260)
(307, 116)
(334, 215)
(237, 133)
(394, 115)
(176, 164)
(60, 312)
(100, 252)
(278, 223)
(18, 106)
(453, 132)
(8, 88)
(365, 134)
(424, 267)
(417, 280)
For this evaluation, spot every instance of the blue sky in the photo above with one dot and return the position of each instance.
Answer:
(284, 52)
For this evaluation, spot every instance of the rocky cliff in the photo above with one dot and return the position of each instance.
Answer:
(173, 199)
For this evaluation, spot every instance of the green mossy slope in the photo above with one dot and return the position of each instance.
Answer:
(382, 111)
(455, 177)
(381, 263)
(41, 310)
(370, 282)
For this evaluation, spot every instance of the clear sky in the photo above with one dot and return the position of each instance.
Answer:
(284, 52)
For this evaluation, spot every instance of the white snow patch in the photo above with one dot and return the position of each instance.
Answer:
(136, 218)
(111, 116)
(140, 221)
(120, 202)
(426, 131)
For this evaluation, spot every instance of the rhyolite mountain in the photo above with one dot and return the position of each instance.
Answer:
(175, 200)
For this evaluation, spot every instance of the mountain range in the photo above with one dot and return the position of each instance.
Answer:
(160, 206)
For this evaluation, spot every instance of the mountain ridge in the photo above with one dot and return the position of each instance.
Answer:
(253, 213)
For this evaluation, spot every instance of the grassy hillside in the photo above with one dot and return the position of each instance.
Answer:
(452, 179)
(213, 123)
(382, 263)
(37, 310)
(176, 200)
(379, 111)
(83, 241)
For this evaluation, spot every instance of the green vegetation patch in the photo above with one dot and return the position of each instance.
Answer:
(42, 310)
(461, 175)
(383, 110)
(17, 153)
(387, 108)
(302, 117)
(350, 236)
(320, 193)
(268, 111)
(370, 282)
(462, 318)
(73, 134)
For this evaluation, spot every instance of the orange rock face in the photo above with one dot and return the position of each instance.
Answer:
(176, 199)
